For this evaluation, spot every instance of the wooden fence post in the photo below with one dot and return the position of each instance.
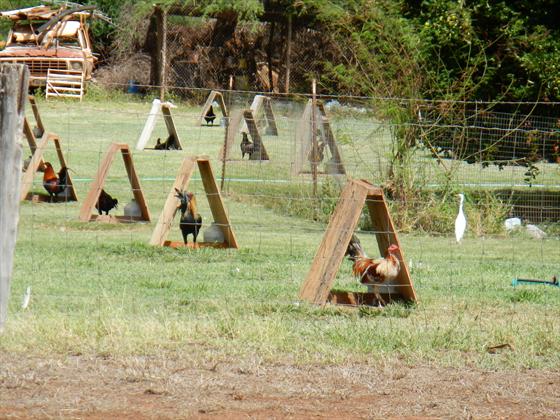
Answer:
(13, 94)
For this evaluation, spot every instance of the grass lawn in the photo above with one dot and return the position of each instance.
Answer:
(101, 289)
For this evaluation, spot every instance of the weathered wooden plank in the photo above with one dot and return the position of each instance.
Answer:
(37, 115)
(330, 140)
(330, 253)
(232, 129)
(384, 229)
(182, 179)
(302, 140)
(135, 182)
(13, 85)
(28, 132)
(170, 124)
(149, 125)
(255, 107)
(341, 297)
(263, 114)
(36, 161)
(272, 129)
(222, 103)
(259, 152)
(216, 202)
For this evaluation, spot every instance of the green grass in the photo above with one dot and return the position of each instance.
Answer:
(100, 289)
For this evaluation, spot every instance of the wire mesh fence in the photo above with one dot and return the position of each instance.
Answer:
(506, 164)
(202, 53)
(256, 55)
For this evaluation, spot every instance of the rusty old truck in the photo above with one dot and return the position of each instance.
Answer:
(46, 38)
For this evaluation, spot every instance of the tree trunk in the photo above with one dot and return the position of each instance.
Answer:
(269, 53)
(288, 55)
(224, 30)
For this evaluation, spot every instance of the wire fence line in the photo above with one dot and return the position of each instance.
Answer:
(488, 156)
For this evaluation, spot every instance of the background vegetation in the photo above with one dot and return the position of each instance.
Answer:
(439, 49)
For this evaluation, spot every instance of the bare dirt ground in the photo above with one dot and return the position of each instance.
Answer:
(167, 387)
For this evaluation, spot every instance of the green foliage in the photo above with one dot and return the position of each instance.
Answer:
(488, 50)
(377, 55)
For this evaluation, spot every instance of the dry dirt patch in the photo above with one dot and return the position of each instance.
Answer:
(168, 387)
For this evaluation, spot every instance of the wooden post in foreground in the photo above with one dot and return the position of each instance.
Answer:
(13, 85)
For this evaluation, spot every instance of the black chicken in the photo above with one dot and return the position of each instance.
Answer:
(105, 203)
(210, 116)
(191, 221)
(169, 144)
(246, 146)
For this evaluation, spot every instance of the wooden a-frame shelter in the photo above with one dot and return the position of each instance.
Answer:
(264, 119)
(330, 254)
(37, 162)
(219, 213)
(33, 133)
(165, 109)
(246, 116)
(213, 96)
(29, 134)
(88, 207)
(305, 141)
(39, 129)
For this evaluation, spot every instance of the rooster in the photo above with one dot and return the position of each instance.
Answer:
(54, 184)
(210, 116)
(105, 203)
(191, 221)
(246, 146)
(373, 272)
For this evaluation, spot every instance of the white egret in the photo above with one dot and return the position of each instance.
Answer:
(460, 221)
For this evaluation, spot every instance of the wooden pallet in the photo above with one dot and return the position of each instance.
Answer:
(217, 207)
(65, 83)
(330, 254)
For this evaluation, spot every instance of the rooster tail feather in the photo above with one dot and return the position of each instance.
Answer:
(355, 249)
(63, 177)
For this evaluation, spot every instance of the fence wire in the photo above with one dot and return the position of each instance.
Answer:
(506, 164)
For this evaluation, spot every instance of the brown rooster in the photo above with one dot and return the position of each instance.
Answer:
(54, 184)
(373, 272)
(191, 220)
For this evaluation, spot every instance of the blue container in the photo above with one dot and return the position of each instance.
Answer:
(132, 87)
